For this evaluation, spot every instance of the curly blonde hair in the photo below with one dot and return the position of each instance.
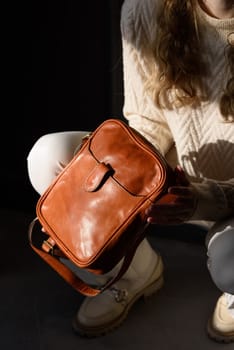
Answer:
(181, 66)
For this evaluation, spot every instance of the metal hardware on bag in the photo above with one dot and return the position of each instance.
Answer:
(48, 245)
(83, 141)
(86, 136)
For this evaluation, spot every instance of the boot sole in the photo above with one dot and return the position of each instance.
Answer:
(218, 336)
(92, 332)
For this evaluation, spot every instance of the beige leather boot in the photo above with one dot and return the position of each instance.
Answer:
(221, 325)
(106, 311)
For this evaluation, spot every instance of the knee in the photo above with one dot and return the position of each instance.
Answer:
(40, 148)
(43, 162)
(49, 155)
(223, 278)
(221, 260)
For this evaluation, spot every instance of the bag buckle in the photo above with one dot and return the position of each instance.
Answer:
(48, 246)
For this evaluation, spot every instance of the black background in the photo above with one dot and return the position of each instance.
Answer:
(64, 72)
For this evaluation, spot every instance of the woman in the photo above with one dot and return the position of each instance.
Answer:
(178, 63)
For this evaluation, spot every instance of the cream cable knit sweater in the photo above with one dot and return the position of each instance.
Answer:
(204, 143)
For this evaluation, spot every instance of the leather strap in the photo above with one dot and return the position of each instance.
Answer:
(71, 278)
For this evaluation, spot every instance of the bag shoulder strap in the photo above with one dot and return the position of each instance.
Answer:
(71, 278)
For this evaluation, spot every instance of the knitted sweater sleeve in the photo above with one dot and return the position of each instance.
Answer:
(139, 108)
(215, 200)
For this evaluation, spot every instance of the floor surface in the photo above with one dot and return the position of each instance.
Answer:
(37, 306)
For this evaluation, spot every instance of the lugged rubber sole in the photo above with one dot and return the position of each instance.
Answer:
(218, 336)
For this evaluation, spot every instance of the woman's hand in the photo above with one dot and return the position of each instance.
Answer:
(177, 206)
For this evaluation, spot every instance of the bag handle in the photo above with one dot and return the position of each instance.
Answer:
(71, 278)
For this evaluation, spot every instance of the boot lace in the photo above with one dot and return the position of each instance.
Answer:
(120, 295)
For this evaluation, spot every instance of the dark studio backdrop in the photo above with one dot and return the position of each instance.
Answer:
(70, 54)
